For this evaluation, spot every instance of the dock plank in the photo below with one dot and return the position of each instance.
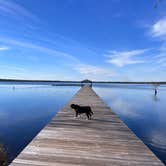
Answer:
(103, 141)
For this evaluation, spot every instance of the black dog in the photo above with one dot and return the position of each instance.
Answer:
(82, 109)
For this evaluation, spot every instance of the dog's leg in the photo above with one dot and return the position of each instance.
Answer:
(76, 115)
(90, 113)
(90, 116)
(87, 114)
(80, 116)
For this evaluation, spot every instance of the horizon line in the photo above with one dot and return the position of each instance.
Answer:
(74, 81)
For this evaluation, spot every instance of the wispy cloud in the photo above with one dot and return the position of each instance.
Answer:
(12, 71)
(122, 58)
(161, 56)
(39, 48)
(90, 69)
(3, 48)
(158, 29)
(11, 68)
(94, 72)
(9, 8)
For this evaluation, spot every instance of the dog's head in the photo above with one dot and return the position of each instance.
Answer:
(74, 106)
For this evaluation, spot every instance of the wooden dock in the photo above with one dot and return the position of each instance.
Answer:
(103, 141)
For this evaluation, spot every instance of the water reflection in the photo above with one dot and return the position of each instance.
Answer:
(157, 139)
(142, 111)
(125, 108)
(156, 98)
(25, 110)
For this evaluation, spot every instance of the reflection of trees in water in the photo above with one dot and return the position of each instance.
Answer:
(156, 98)
(3, 156)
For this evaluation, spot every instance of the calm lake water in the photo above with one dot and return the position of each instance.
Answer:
(144, 113)
(26, 109)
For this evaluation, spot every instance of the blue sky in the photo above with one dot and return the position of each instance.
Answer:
(112, 40)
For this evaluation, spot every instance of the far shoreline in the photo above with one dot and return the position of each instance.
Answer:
(77, 82)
